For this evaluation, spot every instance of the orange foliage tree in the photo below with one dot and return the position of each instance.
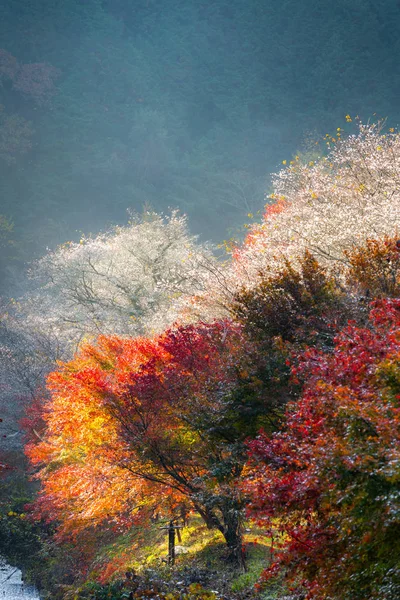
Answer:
(134, 424)
(374, 268)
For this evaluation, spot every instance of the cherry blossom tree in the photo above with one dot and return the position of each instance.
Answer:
(130, 280)
(328, 205)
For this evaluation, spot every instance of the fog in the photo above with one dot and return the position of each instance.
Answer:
(109, 105)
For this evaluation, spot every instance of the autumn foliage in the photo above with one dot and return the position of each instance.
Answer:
(279, 405)
(135, 427)
(328, 482)
(300, 303)
(374, 268)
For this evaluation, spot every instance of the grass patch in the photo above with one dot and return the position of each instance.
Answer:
(257, 559)
(202, 559)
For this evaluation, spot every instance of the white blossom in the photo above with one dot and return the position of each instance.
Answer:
(327, 206)
(131, 280)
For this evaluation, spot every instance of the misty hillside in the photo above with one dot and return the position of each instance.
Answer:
(112, 104)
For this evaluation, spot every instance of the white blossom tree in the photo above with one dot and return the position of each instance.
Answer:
(328, 205)
(131, 280)
(26, 356)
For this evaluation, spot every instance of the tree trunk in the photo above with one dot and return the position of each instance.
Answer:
(227, 518)
(234, 538)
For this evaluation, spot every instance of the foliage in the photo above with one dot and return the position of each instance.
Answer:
(29, 544)
(300, 304)
(329, 482)
(327, 206)
(155, 426)
(20, 539)
(374, 267)
(123, 589)
(130, 280)
(143, 569)
(137, 427)
(33, 80)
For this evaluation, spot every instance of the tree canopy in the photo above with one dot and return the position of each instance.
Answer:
(261, 388)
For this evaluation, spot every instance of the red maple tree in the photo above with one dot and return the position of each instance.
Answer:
(328, 483)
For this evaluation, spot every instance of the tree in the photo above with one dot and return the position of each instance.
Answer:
(26, 356)
(134, 422)
(329, 481)
(130, 280)
(327, 206)
(300, 303)
(34, 80)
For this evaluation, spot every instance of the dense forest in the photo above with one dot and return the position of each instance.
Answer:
(199, 325)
